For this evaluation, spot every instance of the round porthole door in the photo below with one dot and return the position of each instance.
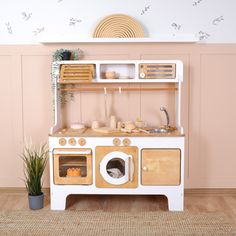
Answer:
(117, 167)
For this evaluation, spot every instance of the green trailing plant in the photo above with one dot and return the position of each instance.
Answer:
(35, 161)
(63, 97)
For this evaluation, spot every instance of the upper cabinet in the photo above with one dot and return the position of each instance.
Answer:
(122, 71)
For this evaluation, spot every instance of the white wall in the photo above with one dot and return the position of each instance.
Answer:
(26, 21)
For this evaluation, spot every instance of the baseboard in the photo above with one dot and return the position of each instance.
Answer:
(19, 190)
(187, 192)
(210, 192)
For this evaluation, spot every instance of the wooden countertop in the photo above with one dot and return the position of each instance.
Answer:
(88, 132)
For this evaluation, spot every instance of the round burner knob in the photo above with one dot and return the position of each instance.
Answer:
(62, 141)
(82, 141)
(72, 141)
(116, 142)
(126, 142)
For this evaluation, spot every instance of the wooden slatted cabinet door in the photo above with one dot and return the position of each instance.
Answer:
(161, 166)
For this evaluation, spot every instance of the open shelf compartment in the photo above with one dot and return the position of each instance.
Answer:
(117, 71)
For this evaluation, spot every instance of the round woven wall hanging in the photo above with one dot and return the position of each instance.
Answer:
(118, 26)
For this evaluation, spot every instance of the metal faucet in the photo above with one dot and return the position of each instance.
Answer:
(167, 116)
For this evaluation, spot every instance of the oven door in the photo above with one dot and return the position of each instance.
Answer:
(72, 166)
(116, 167)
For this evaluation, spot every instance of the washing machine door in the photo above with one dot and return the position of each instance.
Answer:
(117, 168)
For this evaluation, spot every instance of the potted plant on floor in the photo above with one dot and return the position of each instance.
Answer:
(35, 161)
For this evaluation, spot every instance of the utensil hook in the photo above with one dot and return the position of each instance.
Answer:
(105, 90)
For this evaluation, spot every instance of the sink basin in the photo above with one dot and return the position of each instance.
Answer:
(161, 130)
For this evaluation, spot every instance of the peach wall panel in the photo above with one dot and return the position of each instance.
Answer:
(218, 116)
(194, 121)
(37, 99)
(11, 121)
(208, 102)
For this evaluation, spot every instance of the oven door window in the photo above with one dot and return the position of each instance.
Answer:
(72, 166)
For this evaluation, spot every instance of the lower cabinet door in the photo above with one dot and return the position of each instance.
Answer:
(161, 166)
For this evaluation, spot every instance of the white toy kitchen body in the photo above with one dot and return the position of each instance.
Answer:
(87, 162)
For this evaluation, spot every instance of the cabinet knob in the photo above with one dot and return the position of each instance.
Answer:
(145, 168)
(72, 141)
(116, 142)
(62, 141)
(82, 141)
(126, 142)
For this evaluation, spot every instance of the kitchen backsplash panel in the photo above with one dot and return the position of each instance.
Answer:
(127, 106)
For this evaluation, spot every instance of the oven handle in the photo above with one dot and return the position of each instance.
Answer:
(85, 152)
(131, 169)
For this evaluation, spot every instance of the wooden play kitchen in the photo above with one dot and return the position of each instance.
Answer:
(119, 158)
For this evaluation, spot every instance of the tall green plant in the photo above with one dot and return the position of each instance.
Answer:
(35, 161)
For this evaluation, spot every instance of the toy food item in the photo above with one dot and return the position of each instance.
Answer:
(95, 124)
(77, 126)
(113, 122)
(139, 123)
(72, 172)
(110, 75)
(125, 130)
(129, 126)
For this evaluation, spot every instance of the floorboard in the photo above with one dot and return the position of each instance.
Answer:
(195, 204)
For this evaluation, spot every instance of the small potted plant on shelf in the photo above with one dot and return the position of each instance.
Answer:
(35, 161)
(61, 54)
(65, 54)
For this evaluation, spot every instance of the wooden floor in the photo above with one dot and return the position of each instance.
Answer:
(193, 203)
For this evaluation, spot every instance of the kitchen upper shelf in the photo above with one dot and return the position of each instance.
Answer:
(118, 71)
